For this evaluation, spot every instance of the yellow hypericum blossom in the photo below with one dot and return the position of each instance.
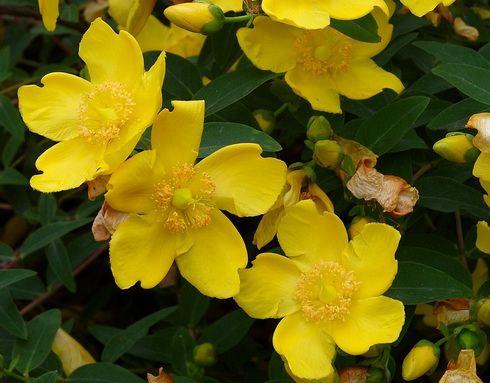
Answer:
(132, 15)
(99, 121)
(175, 204)
(320, 64)
(327, 289)
(71, 353)
(314, 14)
(49, 10)
(421, 7)
(483, 237)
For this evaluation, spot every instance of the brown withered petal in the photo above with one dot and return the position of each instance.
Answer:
(366, 183)
(453, 310)
(353, 374)
(464, 371)
(466, 31)
(480, 122)
(97, 186)
(161, 378)
(106, 222)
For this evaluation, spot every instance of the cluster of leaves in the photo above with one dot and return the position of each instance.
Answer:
(52, 272)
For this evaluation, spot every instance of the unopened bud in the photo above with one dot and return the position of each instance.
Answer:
(205, 354)
(376, 375)
(470, 336)
(266, 120)
(326, 153)
(355, 228)
(422, 359)
(457, 148)
(318, 129)
(196, 17)
(484, 312)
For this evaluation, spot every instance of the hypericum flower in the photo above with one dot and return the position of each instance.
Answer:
(422, 359)
(320, 64)
(421, 7)
(71, 353)
(99, 121)
(314, 14)
(483, 236)
(132, 15)
(298, 187)
(457, 148)
(327, 289)
(196, 17)
(174, 205)
(49, 10)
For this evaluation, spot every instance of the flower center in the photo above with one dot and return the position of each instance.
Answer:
(104, 112)
(323, 51)
(185, 199)
(325, 292)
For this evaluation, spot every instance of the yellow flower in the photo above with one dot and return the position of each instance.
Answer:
(421, 7)
(196, 17)
(132, 15)
(71, 353)
(298, 187)
(174, 205)
(483, 236)
(228, 5)
(327, 289)
(314, 14)
(49, 10)
(421, 359)
(320, 64)
(98, 122)
(457, 148)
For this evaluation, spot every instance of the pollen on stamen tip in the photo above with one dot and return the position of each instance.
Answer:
(104, 112)
(331, 276)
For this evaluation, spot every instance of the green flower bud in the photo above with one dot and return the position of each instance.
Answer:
(318, 129)
(457, 148)
(327, 153)
(266, 120)
(198, 17)
(376, 375)
(422, 359)
(470, 336)
(205, 354)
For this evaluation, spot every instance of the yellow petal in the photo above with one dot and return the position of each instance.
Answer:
(421, 7)
(228, 5)
(267, 290)
(132, 185)
(71, 353)
(141, 250)
(182, 42)
(364, 79)
(371, 255)
(305, 84)
(267, 228)
(370, 321)
(269, 45)
(67, 165)
(246, 183)
(307, 349)
(355, 9)
(481, 169)
(305, 232)
(216, 253)
(483, 237)
(138, 15)
(153, 35)
(176, 135)
(49, 10)
(51, 110)
(111, 57)
(302, 14)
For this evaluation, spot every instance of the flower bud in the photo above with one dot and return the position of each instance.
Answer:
(466, 31)
(457, 148)
(326, 153)
(421, 359)
(205, 354)
(318, 129)
(266, 120)
(358, 224)
(196, 17)
(470, 336)
(484, 312)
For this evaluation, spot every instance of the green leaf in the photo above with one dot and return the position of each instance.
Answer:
(409, 141)
(102, 373)
(232, 87)
(48, 377)
(11, 118)
(182, 351)
(155, 347)
(453, 54)
(471, 80)
(10, 176)
(384, 129)
(182, 78)
(448, 195)
(456, 116)
(59, 261)
(227, 331)
(417, 283)
(48, 233)
(192, 305)
(10, 318)
(363, 29)
(33, 351)
(276, 368)
(9, 276)
(217, 135)
(484, 290)
(394, 46)
(6, 253)
(125, 339)
(47, 208)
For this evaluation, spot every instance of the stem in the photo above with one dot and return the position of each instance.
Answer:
(461, 247)
(441, 341)
(14, 375)
(281, 109)
(421, 171)
(238, 19)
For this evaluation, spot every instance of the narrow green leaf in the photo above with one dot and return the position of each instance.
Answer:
(448, 195)
(363, 29)
(182, 351)
(10, 176)
(48, 233)
(59, 261)
(456, 115)
(125, 339)
(9, 276)
(232, 87)
(182, 78)
(417, 283)
(48, 377)
(384, 129)
(217, 135)
(471, 80)
(192, 305)
(6, 253)
(11, 118)
(227, 331)
(47, 208)
(102, 373)
(394, 46)
(453, 54)
(33, 351)
(10, 318)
